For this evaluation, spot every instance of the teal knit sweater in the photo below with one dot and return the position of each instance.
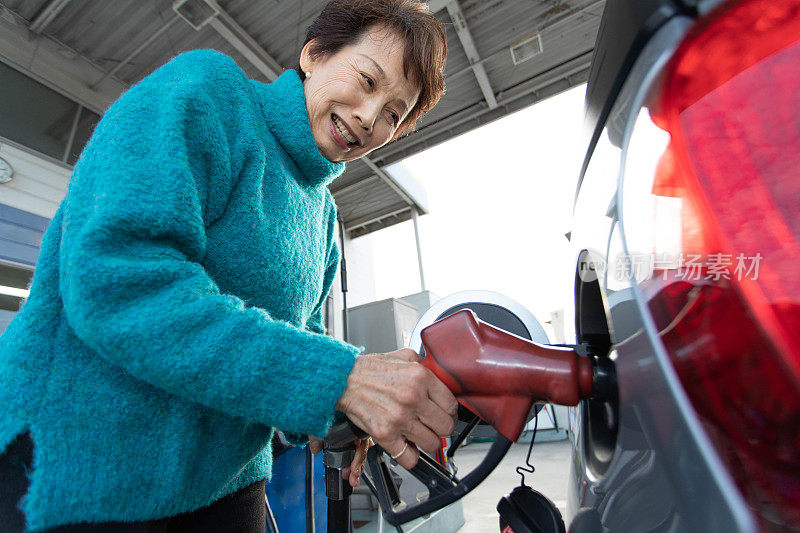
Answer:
(175, 316)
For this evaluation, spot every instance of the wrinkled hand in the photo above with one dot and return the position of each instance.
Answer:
(353, 473)
(400, 403)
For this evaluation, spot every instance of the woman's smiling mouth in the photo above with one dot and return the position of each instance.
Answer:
(342, 135)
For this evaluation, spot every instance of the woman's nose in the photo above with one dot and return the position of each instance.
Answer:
(367, 114)
(365, 124)
(364, 120)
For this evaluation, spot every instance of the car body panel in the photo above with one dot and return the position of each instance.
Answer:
(662, 473)
(625, 29)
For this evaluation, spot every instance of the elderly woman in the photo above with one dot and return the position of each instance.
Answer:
(175, 316)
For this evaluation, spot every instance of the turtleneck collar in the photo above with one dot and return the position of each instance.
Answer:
(284, 104)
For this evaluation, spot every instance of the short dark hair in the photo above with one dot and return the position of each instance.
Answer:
(344, 22)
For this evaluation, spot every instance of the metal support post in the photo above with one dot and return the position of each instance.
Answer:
(419, 248)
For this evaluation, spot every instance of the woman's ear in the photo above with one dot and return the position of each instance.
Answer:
(307, 62)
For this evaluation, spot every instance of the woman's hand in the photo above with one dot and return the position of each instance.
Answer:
(353, 473)
(400, 403)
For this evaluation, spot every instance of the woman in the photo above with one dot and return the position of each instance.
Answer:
(175, 314)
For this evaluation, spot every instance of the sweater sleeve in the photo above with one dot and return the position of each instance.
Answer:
(158, 170)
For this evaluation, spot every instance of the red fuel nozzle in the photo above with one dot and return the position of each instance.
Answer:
(498, 375)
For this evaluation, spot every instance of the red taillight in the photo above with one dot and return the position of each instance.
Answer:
(731, 102)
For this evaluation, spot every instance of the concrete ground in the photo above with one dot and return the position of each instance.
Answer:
(551, 460)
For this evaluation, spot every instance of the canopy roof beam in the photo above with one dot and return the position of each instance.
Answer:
(47, 15)
(467, 42)
(363, 222)
(388, 180)
(231, 31)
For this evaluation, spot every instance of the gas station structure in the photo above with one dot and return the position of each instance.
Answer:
(63, 62)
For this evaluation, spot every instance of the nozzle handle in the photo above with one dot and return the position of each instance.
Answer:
(343, 434)
(444, 488)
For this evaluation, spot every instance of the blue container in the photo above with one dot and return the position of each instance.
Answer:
(286, 492)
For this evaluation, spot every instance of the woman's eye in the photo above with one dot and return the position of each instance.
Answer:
(369, 80)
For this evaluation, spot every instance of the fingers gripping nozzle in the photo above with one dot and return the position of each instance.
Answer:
(499, 376)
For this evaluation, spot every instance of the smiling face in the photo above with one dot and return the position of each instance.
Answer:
(357, 97)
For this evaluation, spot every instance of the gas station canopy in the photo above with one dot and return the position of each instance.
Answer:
(504, 55)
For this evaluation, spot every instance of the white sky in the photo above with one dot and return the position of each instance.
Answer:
(500, 202)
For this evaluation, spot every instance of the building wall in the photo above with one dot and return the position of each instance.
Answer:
(38, 185)
(27, 203)
(21, 235)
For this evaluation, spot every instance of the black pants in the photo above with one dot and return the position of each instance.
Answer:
(243, 511)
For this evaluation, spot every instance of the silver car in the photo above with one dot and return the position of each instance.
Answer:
(686, 242)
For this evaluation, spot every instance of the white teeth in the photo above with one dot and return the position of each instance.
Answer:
(343, 131)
